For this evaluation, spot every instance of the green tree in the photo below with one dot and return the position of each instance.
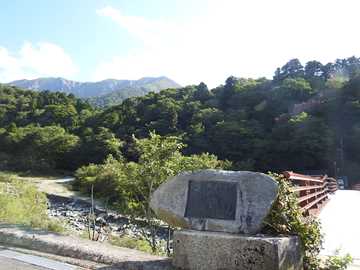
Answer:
(291, 69)
(130, 184)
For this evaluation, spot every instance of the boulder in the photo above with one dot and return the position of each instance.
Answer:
(216, 200)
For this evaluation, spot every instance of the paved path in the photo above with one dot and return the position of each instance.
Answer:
(7, 264)
(18, 261)
(340, 221)
(71, 246)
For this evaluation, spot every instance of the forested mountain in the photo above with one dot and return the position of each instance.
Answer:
(116, 97)
(122, 88)
(305, 118)
(44, 130)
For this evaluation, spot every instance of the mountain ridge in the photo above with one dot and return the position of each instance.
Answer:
(98, 88)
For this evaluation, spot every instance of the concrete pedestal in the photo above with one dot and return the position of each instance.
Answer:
(201, 250)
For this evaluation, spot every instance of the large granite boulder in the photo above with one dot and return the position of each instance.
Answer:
(216, 200)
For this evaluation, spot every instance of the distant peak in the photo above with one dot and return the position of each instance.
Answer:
(105, 80)
(94, 89)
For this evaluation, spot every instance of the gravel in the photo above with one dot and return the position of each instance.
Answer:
(75, 213)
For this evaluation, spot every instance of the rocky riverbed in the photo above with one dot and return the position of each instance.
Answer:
(75, 213)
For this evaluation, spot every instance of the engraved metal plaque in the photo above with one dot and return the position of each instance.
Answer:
(211, 199)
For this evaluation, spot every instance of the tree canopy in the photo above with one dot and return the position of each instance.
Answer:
(305, 118)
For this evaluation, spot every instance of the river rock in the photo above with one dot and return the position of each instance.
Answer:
(216, 200)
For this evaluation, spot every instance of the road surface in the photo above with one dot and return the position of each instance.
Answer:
(7, 264)
(340, 220)
(14, 260)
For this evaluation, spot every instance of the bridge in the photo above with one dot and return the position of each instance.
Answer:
(340, 220)
(337, 210)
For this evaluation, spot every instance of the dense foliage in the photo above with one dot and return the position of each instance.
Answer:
(43, 130)
(338, 262)
(305, 118)
(129, 185)
(116, 97)
(286, 218)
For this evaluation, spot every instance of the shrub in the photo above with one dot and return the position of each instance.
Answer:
(129, 242)
(6, 177)
(338, 262)
(54, 226)
(128, 185)
(286, 218)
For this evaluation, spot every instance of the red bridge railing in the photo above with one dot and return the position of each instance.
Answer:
(332, 184)
(312, 191)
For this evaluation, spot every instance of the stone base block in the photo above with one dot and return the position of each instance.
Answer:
(200, 250)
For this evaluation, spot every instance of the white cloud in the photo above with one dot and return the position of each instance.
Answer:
(150, 31)
(247, 38)
(33, 61)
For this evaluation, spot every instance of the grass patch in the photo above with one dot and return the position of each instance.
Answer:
(21, 203)
(36, 175)
(6, 176)
(126, 242)
(130, 242)
(56, 226)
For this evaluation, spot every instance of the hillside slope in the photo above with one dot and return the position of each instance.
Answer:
(306, 118)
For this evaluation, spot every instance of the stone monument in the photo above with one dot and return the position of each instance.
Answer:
(221, 213)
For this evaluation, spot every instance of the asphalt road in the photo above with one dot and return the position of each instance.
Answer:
(14, 260)
(7, 264)
(340, 222)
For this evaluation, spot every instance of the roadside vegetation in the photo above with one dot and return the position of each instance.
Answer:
(133, 243)
(127, 185)
(296, 121)
(21, 203)
(286, 218)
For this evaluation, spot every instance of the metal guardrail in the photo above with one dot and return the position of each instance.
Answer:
(312, 191)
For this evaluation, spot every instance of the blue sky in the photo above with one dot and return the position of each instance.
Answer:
(75, 26)
(187, 40)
